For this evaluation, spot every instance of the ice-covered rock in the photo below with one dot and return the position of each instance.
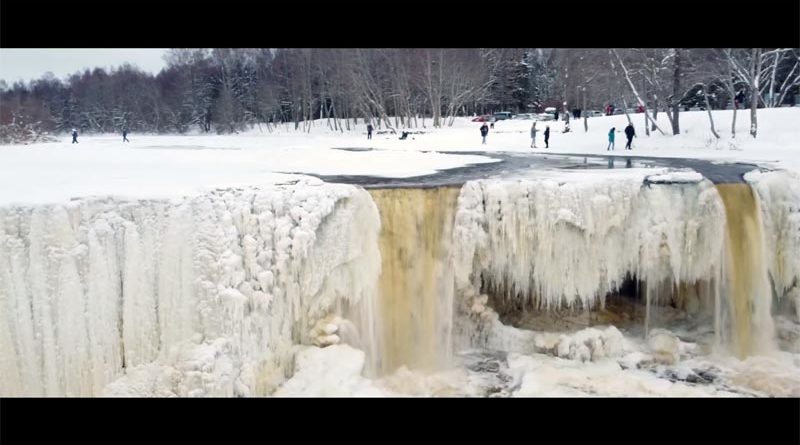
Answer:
(334, 371)
(664, 346)
(591, 344)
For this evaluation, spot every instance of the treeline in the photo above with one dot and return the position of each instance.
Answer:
(228, 90)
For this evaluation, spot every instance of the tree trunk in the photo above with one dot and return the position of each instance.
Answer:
(772, 80)
(625, 108)
(676, 87)
(396, 114)
(646, 123)
(676, 129)
(585, 114)
(789, 83)
(732, 88)
(755, 74)
(655, 112)
(710, 117)
(668, 112)
(633, 89)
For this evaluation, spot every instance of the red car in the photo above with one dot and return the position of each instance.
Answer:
(481, 119)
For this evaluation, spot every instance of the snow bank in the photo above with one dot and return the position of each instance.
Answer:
(544, 376)
(675, 177)
(334, 371)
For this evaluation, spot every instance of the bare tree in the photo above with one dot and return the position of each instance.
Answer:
(755, 78)
(633, 89)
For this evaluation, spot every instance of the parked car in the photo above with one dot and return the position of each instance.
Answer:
(591, 113)
(502, 115)
(525, 116)
(484, 118)
(546, 117)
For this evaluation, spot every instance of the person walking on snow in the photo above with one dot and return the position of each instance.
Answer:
(611, 139)
(630, 133)
(484, 132)
(533, 135)
(125, 136)
(74, 136)
(547, 137)
(369, 131)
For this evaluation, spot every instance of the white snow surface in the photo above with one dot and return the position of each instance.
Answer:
(153, 166)
(177, 166)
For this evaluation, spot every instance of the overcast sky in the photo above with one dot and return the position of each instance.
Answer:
(27, 64)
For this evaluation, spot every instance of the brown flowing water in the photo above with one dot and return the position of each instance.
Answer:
(748, 291)
(416, 283)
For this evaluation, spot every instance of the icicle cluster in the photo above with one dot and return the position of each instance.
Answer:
(569, 243)
(201, 296)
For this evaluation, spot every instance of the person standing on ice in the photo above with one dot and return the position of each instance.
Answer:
(547, 137)
(484, 132)
(533, 135)
(125, 135)
(74, 136)
(629, 133)
(611, 139)
(369, 131)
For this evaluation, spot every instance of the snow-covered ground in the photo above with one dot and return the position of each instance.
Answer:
(162, 166)
(174, 166)
(778, 142)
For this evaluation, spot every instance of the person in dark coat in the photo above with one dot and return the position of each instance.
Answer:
(125, 136)
(484, 132)
(74, 136)
(629, 133)
(369, 131)
(611, 139)
(547, 137)
(739, 99)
